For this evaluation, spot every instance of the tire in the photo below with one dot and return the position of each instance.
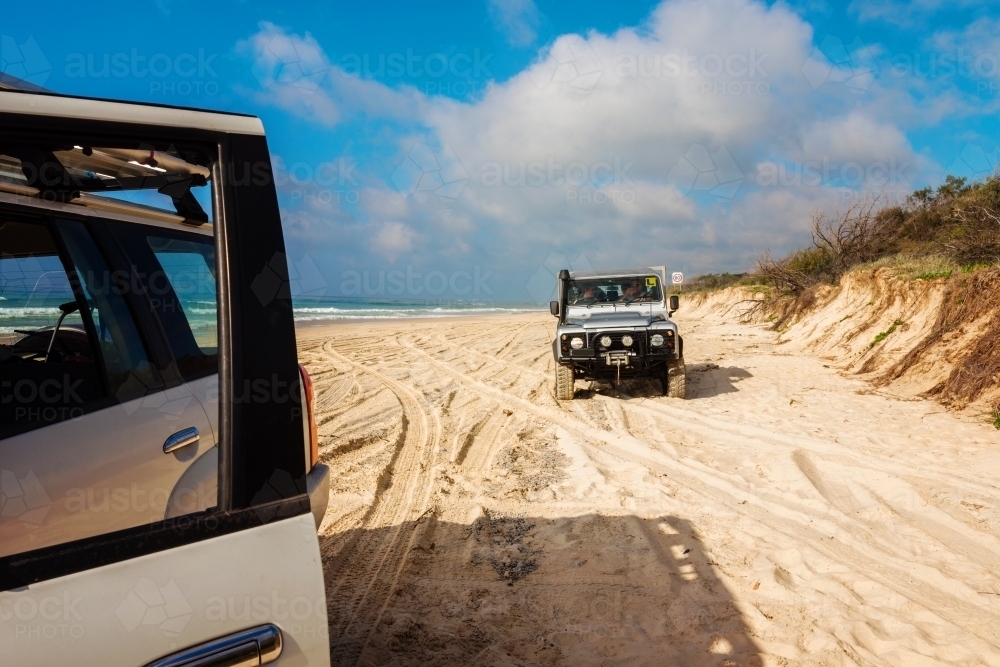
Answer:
(675, 379)
(564, 383)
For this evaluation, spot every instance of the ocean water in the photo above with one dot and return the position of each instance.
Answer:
(339, 308)
(31, 313)
(35, 311)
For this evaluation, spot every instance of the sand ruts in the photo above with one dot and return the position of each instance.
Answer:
(782, 515)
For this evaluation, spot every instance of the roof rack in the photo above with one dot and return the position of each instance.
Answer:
(616, 273)
(98, 203)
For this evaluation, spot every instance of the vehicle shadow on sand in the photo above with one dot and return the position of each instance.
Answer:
(591, 590)
(704, 380)
(708, 380)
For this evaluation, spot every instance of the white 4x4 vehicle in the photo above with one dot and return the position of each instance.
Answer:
(615, 325)
(159, 471)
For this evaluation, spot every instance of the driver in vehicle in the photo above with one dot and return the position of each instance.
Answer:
(634, 291)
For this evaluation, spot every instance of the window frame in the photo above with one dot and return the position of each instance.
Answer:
(257, 443)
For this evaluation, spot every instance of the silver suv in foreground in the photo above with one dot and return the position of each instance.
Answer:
(615, 325)
(160, 487)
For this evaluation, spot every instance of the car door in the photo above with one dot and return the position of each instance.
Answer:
(104, 462)
(240, 581)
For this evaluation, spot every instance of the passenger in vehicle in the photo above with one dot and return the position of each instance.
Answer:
(591, 294)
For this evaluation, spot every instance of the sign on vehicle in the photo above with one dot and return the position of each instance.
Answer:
(677, 277)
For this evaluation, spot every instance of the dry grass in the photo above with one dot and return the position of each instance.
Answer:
(950, 235)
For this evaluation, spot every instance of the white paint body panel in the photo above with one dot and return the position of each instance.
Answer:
(122, 112)
(106, 471)
(133, 612)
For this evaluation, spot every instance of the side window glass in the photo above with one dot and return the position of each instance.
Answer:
(48, 367)
(190, 269)
(129, 373)
(179, 270)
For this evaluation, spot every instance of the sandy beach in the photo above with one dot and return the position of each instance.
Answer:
(785, 513)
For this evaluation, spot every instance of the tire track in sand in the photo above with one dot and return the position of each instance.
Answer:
(362, 576)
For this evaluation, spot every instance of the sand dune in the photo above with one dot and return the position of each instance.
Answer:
(783, 514)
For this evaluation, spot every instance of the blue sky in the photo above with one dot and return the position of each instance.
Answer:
(492, 142)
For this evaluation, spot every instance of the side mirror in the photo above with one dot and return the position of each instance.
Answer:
(554, 308)
(675, 302)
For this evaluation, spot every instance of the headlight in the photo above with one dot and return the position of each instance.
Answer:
(576, 343)
(626, 340)
(656, 340)
(606, 341)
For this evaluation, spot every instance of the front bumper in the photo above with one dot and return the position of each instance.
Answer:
(637, 360)
(318, 488)
(599, 368)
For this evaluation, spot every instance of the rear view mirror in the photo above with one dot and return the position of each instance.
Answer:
(554, 308)
(675, 302)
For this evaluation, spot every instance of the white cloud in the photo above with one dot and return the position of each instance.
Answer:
(855, 138)
(902, 12)
(392, 239)
(516, 19)
(293, 73)
(978, 42)
(573, 154)
(662, 91)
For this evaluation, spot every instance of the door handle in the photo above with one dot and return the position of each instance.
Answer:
(247, 648)
(188, 436)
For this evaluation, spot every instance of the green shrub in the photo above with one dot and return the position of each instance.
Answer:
(885, 334)
(932, 275)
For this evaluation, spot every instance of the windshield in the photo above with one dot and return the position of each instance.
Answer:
(628, 289)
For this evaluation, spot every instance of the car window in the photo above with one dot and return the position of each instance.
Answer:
(189, 266)
(48, 366)
(179, 271)
(126, 363)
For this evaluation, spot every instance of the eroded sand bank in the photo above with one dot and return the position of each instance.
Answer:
(783, 514)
